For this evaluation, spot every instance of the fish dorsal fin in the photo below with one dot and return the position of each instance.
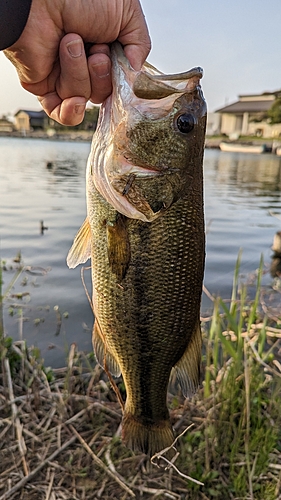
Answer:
(80, 251)
(103, 355)
(188, 367)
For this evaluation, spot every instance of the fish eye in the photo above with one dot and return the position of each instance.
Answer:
(185, 123)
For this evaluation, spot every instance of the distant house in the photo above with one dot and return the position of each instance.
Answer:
(6, 125)
(248, 116)
(30, 120)
(213, 124)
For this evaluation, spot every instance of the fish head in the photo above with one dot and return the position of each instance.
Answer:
(148, 147)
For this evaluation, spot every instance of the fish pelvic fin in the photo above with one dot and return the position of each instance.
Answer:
(188, 367)
(148, 439)
(104, 357)
(80, 251)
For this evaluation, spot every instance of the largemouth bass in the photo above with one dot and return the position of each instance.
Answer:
(144, 233)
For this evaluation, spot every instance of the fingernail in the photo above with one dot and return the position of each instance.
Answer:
(101, 70)
(74, 48)
(79, 109)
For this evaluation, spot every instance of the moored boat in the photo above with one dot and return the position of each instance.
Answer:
(234, 147)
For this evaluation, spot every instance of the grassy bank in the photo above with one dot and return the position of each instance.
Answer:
(60, 429)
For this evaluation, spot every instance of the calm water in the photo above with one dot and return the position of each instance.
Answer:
(44, 180)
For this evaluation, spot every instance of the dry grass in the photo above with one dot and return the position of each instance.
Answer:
(59, 439)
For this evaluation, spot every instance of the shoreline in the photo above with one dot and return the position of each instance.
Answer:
(79, 135)
(87, 135)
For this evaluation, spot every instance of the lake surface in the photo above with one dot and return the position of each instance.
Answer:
(44, 180)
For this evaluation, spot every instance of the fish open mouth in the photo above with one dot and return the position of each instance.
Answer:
(149, 85)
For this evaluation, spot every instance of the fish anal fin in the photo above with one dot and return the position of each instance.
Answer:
(148, 439)
(118, 246)
(80, 251)
(188, 367)
(103, 355)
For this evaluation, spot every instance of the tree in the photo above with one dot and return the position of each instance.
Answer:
(274, 113)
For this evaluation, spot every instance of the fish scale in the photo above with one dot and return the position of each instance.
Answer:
(144, 233)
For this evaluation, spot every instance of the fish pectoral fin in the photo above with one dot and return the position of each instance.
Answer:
(188, 367)
(80, 251)
(118, 246)
(103, 355)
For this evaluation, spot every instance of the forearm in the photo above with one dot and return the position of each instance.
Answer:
(13, 17)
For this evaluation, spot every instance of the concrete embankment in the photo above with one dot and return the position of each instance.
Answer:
(214, 142)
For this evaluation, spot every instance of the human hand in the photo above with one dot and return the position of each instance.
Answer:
(50, 56)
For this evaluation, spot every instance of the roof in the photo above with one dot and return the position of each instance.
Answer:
(32, 114)
(275, 93)
(4, 120)
(246, 107)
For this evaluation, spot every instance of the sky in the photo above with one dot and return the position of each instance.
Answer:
(238, 44)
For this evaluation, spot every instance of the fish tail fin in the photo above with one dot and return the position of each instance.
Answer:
(148, 439)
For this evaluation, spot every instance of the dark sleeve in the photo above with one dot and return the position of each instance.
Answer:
(13, 17)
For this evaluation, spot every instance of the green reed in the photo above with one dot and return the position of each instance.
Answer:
(241, 436)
